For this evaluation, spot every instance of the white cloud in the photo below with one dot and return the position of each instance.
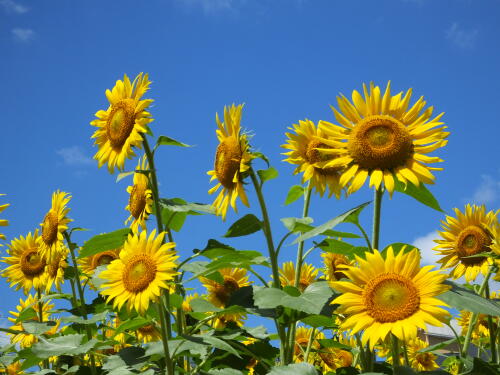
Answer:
(74, 156)
(462, 38)
(11, 6)
(487, 192)
(23, 35)
(425, 244)
(210, 6)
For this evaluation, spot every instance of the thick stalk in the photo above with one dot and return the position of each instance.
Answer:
(376, 217)
(164, 339)
(312, 335)
(395, 354)
(40, 317)
(493, 334)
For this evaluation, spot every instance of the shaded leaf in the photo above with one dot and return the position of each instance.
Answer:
(246, 225)
(163, 140)
(103, 242)
(420, 193)
(465, 299)
(294, 369)
(267, 174)
(295, 192)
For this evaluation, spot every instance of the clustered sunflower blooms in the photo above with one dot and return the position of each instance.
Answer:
(304, 144)
(392, 295)
(308, 275)
(121, 126)
(468, 234)
(140, 204)
(232, 160)
(381, 137)
(144, 268)
(3, 222)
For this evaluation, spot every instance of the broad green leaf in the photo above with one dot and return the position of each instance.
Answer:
(214, 342)
(76, 319)
(173, 219)
(318, 321)
(332, 245)
(294, 369)
(246, 225)
(225, 371)
(330, 224)
(331, 343)
(295, 192)
(297, 224)
(260, 155)
(180, 205)
(26, 314)
(465, 299)
(175, 300)
(62, 345)
(292, 291)
(163, 140)
(103, 242)
(439, 345)
(132, 324)
(202, 305)
(215, 249)
(36, 328)
(420, 193)
(267, 174)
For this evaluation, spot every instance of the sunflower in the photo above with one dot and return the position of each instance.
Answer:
(54, 224)
(3, 222)
(235, 318)
(468, 234)
(26, 340)
(302, 336)
(122, 125)
(220, 294)
(481, 328)
(186, 303)
(144, 268)
(392, 295)
(148, 333)
(419, 360)
(334, 358)
(90, 263)
(27, 267)
(334, 264)
(13, 369)
(381, 137)
(303, 144)
(55, 270)
(140, 203)
(307, 275)
(232, 160)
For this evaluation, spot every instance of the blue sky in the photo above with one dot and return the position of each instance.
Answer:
(286, 59)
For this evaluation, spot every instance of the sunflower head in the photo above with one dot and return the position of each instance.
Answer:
(382, 137)
(334, 264)
(464, 238)
(308, 275)
(55, 271)
(148, 333)
(235, 318)
(392, 295)
(334, 358)
(220, 294)
(90, 263)
(232, 160)
(140, 204)
(55, 223)
(305, 147)
(3, 222)
(421, 360)
(302, 337)
(121, 126)
(144, 268)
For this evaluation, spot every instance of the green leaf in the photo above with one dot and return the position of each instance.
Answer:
(297, 224)
(163, 140)
(465, 299)
(215, 249)
(319, 321)
(332, 245)
(76, 319)
(180, 205)
(68, 345)
(267, 174)
(103, 242)
(244, 226)
(292, 291)
(132, 324)
(295, 192)
(352, 214)
(37, 328)
(214, 342)
(202, 305)
(225, 371)
(260, 155)
(26, 314)
(175, 300)
(438, 346)
(294, 369)
(420, 193)
(331, 343)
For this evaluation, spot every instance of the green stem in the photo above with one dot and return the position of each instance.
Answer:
(395, 353)
(491, 328)
(376, 217)
(365, 237)
(40, 314)
(309, 344)
(457, 338)
(405, 354)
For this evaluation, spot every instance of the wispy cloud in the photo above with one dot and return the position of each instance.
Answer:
(460, 37)
(74, 156)
(211, 6)
(11, 6)
(425, 244)
(23, 35)
(487, 192)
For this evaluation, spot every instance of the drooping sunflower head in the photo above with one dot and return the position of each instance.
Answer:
(382, 137)
(334, 264)
(140, 203)
(27, 268)
(392, 295)
(463, 237)
(24, 339)
(303, 143)
(302, 337)
(148, 333)
(334, 358)
(308, 275)
(90, 263)
(3, 222)
(146, 265)
(51, 242)
(421, 360)
(232, 160)
(220, 294)
(55, 271)
(121, 126)
(235, 318)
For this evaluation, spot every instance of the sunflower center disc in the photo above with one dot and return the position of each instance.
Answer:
(101, 259)
(380, 142)
(471, 241)
(137, 201)
(32, 264)
(147, 329)
(314, 156)
(425, 359)
(337, 264)
(138, 273)
(225, 291)
(120, 122)
(390, 297)
(49, 228)
(227, 161)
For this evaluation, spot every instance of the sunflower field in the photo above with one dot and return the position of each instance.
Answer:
(130, 302)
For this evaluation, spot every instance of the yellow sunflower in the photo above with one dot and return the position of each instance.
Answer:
(55, 271)
(334, 264)
(232, 159)
(144, 268)
(222, 320)
(334, 358)
(381, 137)
(186, 303)
(90, 263)
(302, 340)
(303, 144)
(13, 369)
(393, 295)
(26, 340)
(3, 222)
(468, 234)
(307, 275)
(421, 361)
(54, 224)
(27, 267)
(148, 333)
(220, 294)
(140, 203)
(122, 125)
(481, 329)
